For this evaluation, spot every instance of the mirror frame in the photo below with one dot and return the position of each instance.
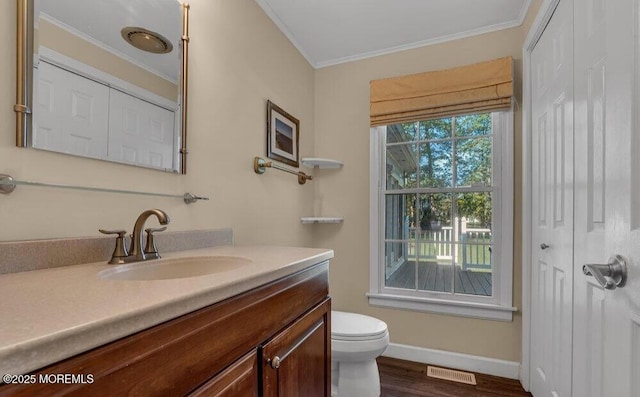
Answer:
(24, 77)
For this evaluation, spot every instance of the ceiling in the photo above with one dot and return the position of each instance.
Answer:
(100, 21)
(329, 32)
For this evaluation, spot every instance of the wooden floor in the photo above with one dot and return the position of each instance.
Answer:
(435, 277)
(408, 379)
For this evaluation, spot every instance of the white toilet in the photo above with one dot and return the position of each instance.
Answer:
(356, 341)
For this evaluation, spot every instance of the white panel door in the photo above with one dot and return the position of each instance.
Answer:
(71, 114)
(140, 132)
(552, 210)
(607, 197)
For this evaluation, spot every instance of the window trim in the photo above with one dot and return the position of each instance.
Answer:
(497, 307)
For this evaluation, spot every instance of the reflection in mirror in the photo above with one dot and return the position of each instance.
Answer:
(108, 79)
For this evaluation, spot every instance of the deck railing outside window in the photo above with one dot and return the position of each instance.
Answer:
(473, 245)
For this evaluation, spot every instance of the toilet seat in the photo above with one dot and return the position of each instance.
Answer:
(356, 327)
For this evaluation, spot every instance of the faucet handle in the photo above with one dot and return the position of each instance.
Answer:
(120, 250)
(151, 250)
(155, 229)
(118, 232)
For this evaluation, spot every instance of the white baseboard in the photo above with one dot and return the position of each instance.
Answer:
(465, 362)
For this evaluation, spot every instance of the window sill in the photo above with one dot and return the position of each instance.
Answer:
(455, 308)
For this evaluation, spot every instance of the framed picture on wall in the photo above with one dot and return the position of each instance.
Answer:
(283, 133)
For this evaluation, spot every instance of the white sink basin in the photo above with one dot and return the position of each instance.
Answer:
(167, 269)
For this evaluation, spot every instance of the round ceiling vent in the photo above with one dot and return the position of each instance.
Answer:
(146, 40)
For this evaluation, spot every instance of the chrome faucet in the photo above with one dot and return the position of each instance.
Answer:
(137, 252)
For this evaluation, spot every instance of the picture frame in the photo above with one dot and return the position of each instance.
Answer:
(283, 136)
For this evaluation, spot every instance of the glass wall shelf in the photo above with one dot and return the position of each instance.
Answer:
(321, 219)
(316, 162)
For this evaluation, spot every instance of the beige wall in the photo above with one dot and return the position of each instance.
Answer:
(342, 132)
(239, 59)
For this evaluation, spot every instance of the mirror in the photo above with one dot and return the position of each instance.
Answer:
(104, 79)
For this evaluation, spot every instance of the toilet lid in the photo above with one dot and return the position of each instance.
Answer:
(353, 326)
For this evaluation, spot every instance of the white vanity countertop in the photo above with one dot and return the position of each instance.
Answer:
(52, 314)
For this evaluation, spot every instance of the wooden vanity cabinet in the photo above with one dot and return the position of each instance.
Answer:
(226, 349)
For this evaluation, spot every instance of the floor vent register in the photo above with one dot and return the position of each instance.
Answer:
(449, 374)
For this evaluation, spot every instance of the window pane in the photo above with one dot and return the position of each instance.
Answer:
(473, 162)
(434, 213)
(474, 244)
(475, 209)
(435, 129)
(473, 125)
(400, 269)
(399, 216)
(435, 275)
(405, 132)
(472, 276)
(402, 168)
(435, 164)
(434, 242)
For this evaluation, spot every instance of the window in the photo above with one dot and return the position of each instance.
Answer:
(441, 215)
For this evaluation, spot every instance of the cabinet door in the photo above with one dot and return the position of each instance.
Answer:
(297, 362)
(240, 379)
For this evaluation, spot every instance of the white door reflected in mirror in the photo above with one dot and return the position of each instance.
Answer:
(97, 95)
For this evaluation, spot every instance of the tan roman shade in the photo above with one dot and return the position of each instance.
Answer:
(481, 87)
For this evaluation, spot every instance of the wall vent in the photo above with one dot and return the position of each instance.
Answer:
(449, 374)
